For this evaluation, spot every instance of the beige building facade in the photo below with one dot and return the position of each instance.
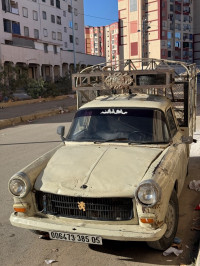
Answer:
(156, 29)
(45, 35)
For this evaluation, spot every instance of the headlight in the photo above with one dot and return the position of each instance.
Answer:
(19, 185)
(148, 193)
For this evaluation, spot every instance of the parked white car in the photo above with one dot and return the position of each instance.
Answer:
(118, 175)
(121, 167)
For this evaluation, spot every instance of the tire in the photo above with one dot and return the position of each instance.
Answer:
(171, 220)
(37, 232)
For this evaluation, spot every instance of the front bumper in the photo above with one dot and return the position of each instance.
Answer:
(106, 231)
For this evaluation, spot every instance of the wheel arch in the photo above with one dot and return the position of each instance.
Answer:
(176, 186)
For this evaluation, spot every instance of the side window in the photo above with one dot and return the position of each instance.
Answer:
(172, 124)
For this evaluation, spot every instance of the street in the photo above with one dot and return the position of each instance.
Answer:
(21, 145)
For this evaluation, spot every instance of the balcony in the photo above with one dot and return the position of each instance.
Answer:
(186, 10)
(11, 7)
(186, 2)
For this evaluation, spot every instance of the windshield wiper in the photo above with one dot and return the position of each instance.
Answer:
(147, 142)
(110, 140)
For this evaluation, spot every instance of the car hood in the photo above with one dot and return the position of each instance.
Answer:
(96, 170)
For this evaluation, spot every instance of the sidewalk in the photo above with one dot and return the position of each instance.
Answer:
(19, 112)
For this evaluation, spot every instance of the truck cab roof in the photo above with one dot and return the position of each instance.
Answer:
(128, 101)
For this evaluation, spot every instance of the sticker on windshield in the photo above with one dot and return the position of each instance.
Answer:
(114, 112)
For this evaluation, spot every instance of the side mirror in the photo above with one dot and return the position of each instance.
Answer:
(187, 140)
(61, 132)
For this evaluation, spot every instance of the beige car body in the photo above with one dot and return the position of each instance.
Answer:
(109, 170)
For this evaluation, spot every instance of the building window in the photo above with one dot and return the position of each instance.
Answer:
(25, 12)
(69, 8)
(58, 20)
(178, 17)
(178, 35)
(76, 26)
(53, 35)
(65, 29)
(64, 13)
(134, 48)
(164, 24)
(169, 53)
(35, 15)
(52, 2)
(178, 26)
(36, 34)
(59, 36)
(133, 5)
(163, 43)
(75, 12)
(44, 1)
(55, 49)
(66, 45)
(53, 19)
(169, 44)
(45, 48)
(7, 25)
(178, 44)
(44, 15)
(185, 18)
(163, 52)
(26, 31)
(169, 35)
(71, 38)
(45, 32)
(77, 41)
(11, 26)
(58, 3)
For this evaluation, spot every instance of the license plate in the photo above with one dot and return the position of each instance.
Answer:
(96, 240)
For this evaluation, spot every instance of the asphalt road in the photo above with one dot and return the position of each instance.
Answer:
(22, 144)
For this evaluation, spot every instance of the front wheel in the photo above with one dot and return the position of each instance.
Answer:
(171, 219)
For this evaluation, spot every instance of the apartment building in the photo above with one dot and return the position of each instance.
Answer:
(95, 40)
(103, 41)
(46, 35)
(196, 32)
(160, 29)
(112, 43)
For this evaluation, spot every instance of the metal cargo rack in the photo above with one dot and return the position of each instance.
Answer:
(173, 79)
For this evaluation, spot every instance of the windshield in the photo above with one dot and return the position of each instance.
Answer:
(119, 124)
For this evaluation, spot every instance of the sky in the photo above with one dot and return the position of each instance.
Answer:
(100, 12)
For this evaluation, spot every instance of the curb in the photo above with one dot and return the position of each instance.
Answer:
(26, 118)
(17, 103)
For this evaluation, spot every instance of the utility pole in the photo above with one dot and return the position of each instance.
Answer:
(144, 31)
(143, 38)
(74, 45)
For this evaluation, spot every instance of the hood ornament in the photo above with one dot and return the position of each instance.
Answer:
(81, 206)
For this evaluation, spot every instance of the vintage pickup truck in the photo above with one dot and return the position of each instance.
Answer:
(120, 170)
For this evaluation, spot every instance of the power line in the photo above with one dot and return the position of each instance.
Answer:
(97, 17)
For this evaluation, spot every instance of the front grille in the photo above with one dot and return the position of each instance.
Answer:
(107, 209)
